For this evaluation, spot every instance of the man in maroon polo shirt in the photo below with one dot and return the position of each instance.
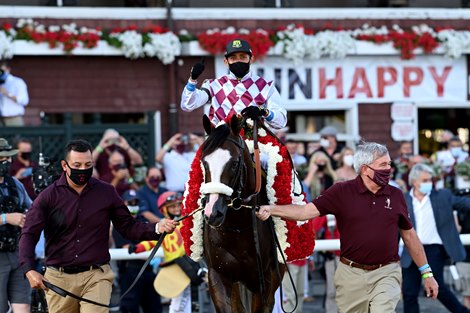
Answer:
(75, 213)
(369, 214)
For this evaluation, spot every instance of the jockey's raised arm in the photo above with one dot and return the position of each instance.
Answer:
(235, 91)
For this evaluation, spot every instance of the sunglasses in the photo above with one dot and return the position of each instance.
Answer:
(133, 202)
(175, 197)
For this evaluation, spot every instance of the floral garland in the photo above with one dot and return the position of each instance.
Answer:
(294, 42)
(297, 239)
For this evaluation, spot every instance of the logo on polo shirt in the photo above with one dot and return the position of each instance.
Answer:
(387, 204)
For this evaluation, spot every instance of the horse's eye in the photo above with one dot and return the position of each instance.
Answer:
(235, 165)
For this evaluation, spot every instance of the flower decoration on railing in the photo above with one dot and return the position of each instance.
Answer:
(294, 42)
(153, 41)
(215, 40)
(67, 36)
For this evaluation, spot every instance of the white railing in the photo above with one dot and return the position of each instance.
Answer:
(320, 245)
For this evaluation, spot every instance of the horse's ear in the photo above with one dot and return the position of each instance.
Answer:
(235, 124)
(208, 126)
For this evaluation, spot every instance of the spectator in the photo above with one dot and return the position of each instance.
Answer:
(293, 148)
(320, 175)
(326, 228)
(405, 152)
(110, 142)
(369, 212)
(119, 175)
(345, 170)
(13, 97)
(431, 213)
(329, 144)
(449, 158)
(14, 202)
(176, 157)
(22, 166)
(464, 266)
(148, 195)
(232, 93)
(77, 230)
(142, 295)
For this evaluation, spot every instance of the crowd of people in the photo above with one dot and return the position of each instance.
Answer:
(356, 194)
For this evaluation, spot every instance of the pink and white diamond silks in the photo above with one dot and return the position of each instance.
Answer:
(230, 96)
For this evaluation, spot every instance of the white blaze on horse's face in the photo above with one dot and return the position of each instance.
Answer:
(216, 162)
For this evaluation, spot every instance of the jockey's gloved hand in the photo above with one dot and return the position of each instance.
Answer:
(131, 248)
(197, 69)
(255, 112)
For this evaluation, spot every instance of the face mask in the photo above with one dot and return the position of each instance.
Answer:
(4, 168)
(456, 151)
(321, 167)
(26, 155)
(325, 143)
(154, 182)
(381, 177)
(239, 69)
(181, 148)
(425, 188)
(3, 76)
(134, 209)
(348, 160)
(80, 177)
(406, 156)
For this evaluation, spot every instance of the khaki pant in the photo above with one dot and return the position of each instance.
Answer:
(94, 285)
(298, 276)
(13, 120)
(359, 291)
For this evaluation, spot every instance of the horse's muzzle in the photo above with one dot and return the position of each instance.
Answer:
(216, 209)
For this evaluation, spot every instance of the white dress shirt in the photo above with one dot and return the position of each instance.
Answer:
(16, 87)
(425, 221)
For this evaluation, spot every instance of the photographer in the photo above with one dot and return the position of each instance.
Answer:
(13, 96)
(110, 142)
(14, 201)
(22, 166)
(176, 157)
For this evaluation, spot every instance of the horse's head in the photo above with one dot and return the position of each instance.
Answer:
(224, 158)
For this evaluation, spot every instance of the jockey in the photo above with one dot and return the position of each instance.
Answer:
(169, 204)
(240, 91)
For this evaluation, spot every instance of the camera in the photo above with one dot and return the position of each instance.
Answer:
(184, 139)
(45, 174)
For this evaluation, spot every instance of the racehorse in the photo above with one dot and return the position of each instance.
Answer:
(239, 249)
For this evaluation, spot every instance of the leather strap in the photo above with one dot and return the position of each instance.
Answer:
(64, 293)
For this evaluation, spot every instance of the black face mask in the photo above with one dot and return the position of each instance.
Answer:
(4, 168)
(239, 69)
(80, 177)
(26, 155)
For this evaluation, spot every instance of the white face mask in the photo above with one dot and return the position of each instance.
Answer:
(348, 160)
(456, 151)
(134, 209)
(325, 143)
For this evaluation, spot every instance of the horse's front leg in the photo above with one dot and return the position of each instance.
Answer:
(220, 290)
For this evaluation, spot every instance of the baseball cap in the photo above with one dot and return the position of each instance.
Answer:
(328, 131)
(237, 45)
(129, 195)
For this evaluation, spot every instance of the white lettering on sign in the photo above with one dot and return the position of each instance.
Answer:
(363, 79)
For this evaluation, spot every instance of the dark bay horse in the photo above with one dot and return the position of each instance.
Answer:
(242, 278)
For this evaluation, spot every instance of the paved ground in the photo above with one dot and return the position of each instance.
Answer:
(317, 290)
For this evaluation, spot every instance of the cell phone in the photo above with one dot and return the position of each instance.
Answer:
(28, 171)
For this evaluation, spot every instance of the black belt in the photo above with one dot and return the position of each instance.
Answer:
(75, 269)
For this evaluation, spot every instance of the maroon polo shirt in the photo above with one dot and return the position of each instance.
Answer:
(368, 222)
(76, 226)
